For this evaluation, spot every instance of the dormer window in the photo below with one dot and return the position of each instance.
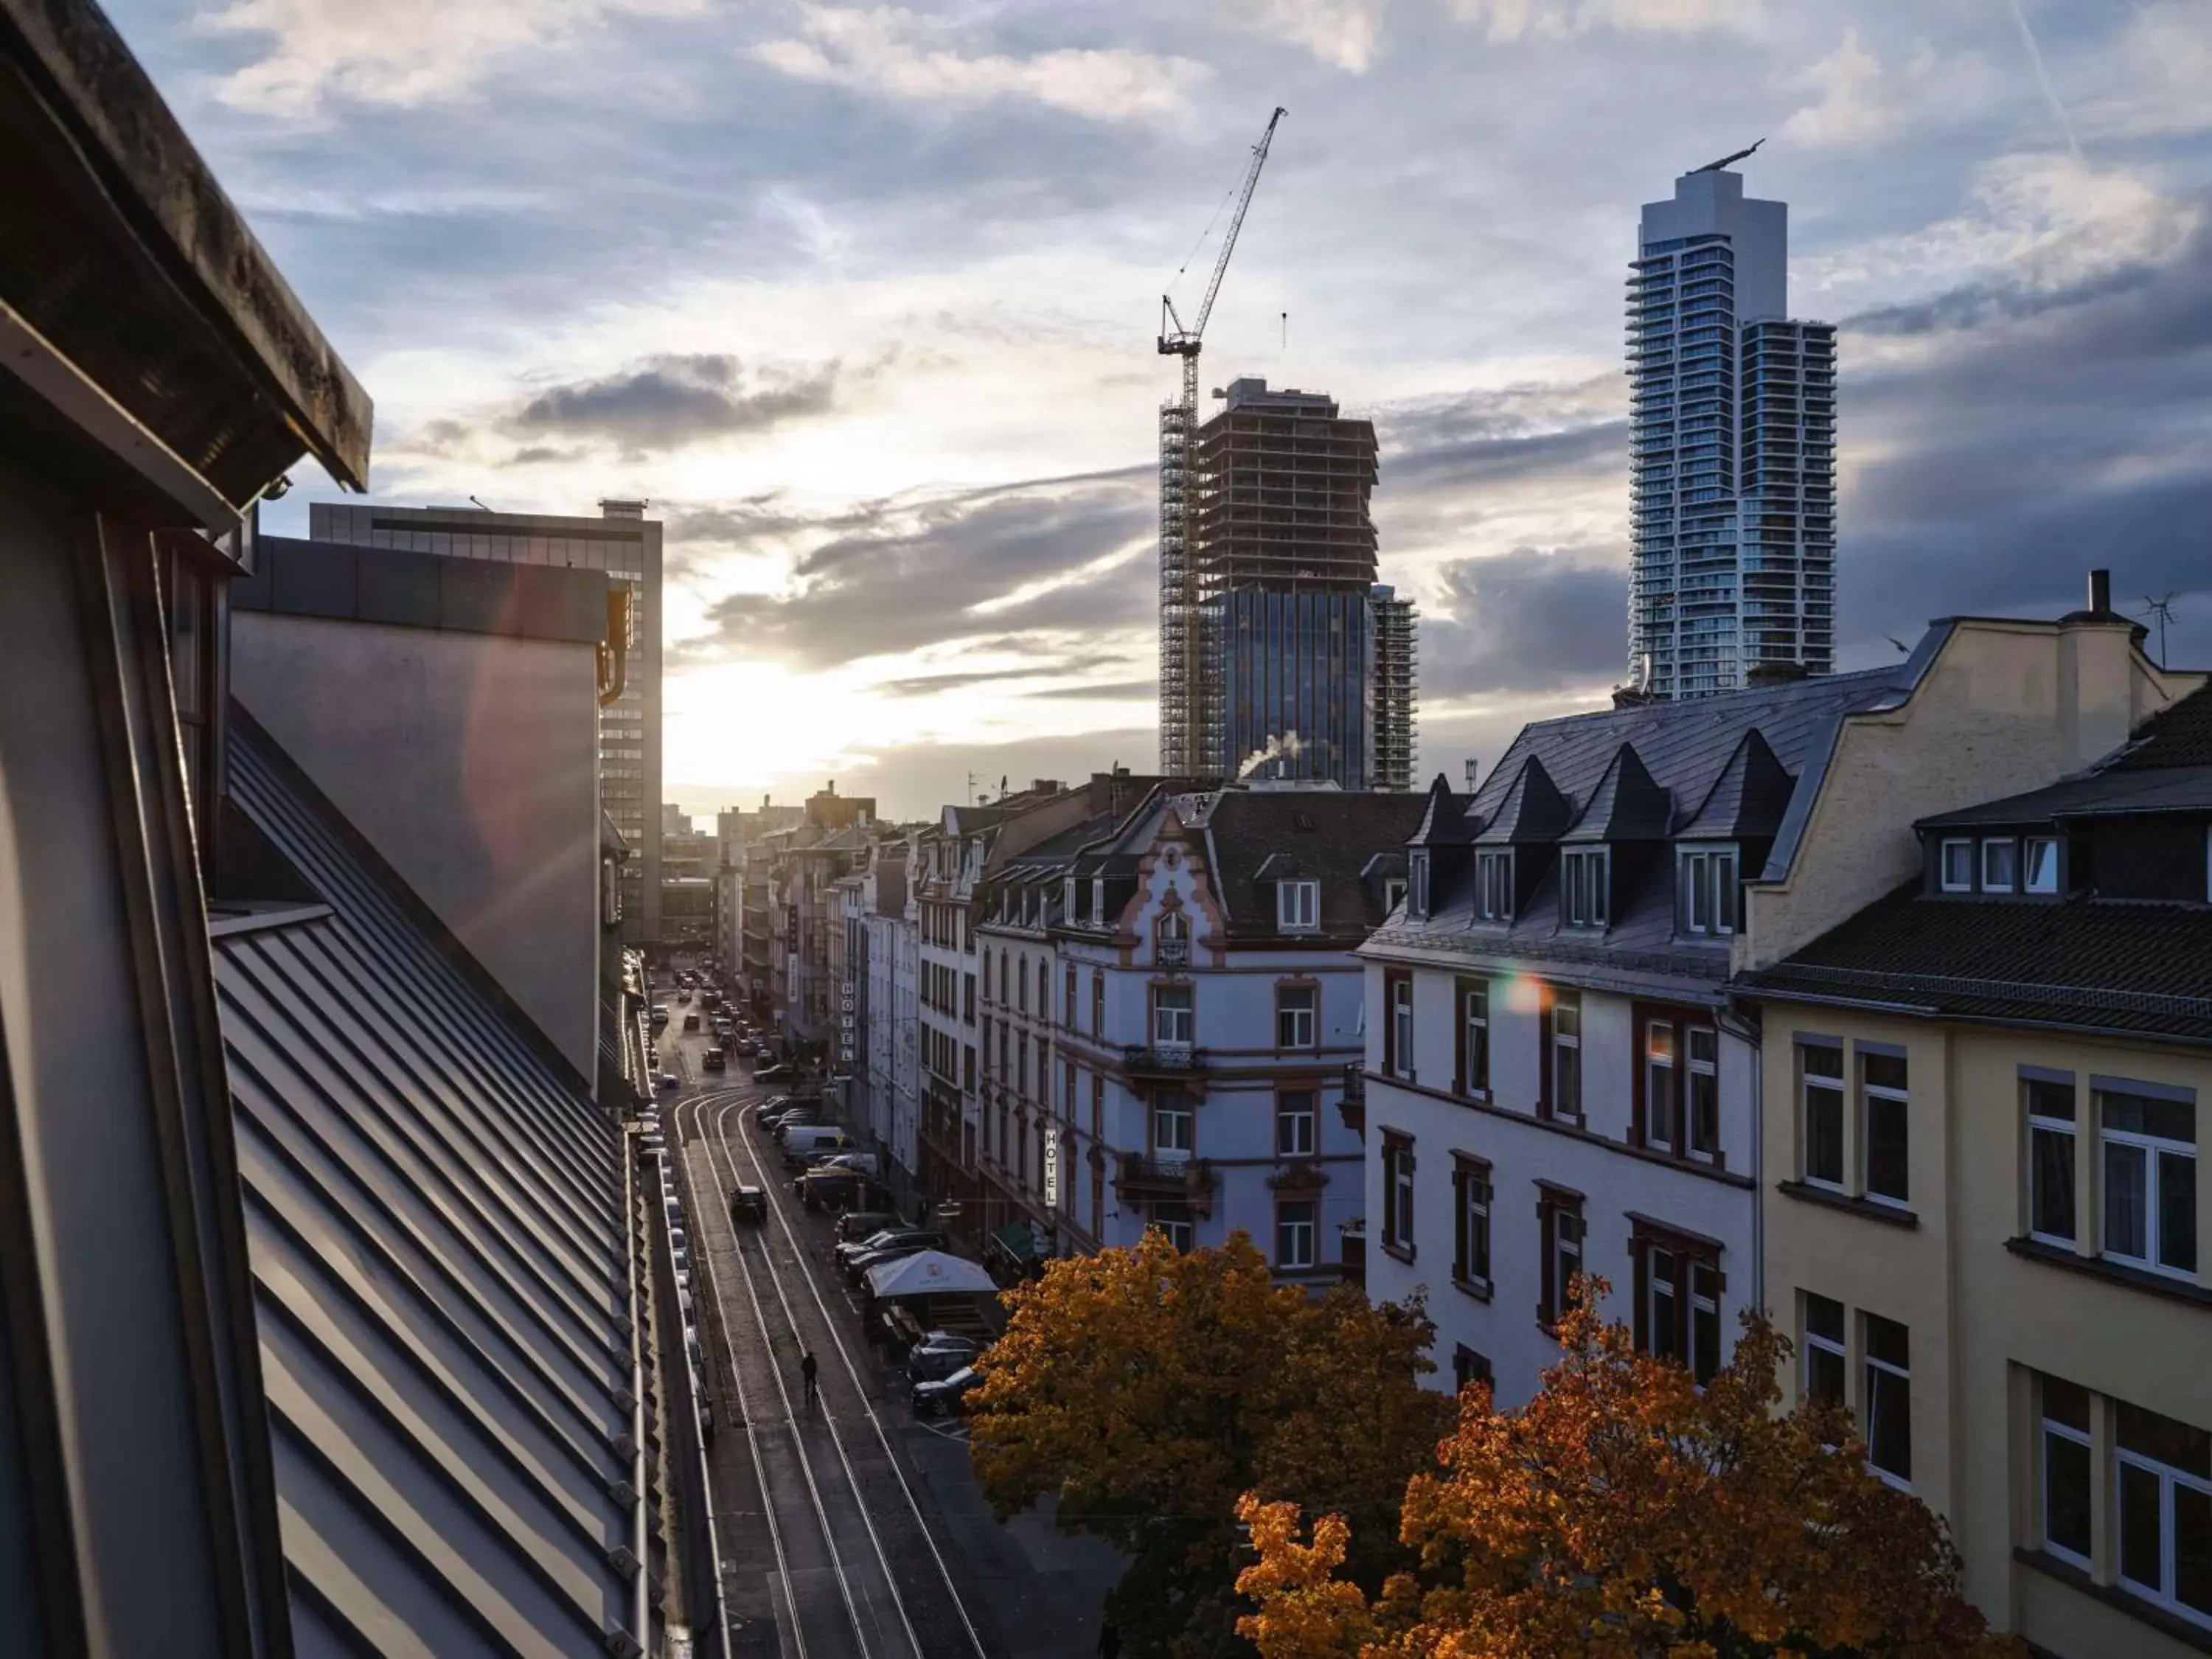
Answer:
(1493, 886)
(1394, 894)
(1705, 893)
(1171, 941)
(1298, 906)
(1418, 906)
(1067, 900)
(1957, 874)
(2039, 865)
(2000, 866)
(2000, 861)
(1098, 900)
(1585, 887)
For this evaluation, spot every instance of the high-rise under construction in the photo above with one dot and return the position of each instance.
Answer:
(1275, 620)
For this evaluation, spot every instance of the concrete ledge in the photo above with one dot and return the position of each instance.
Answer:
(344, 583)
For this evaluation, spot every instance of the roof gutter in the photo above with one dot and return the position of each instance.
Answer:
(641, 1520)
(2010, 1023)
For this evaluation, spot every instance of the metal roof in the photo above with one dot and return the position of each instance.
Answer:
(440, 1270)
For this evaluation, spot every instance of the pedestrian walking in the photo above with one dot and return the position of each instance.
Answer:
(807, 1373)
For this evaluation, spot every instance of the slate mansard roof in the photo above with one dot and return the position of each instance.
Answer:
(1256, 838)
(440, 1261)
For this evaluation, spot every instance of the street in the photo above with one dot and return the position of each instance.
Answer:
(847, 1527)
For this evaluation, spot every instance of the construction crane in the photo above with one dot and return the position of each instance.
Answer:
(1183, 717)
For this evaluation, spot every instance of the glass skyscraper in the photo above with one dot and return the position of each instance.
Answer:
(1732, 454)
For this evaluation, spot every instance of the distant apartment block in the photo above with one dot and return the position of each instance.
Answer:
(623, 542)
(1394, 697)
(1732, 449)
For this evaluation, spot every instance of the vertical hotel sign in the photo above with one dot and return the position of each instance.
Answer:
(846, 1021)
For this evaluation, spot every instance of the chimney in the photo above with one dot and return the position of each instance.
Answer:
(2096, 677)
(2100, 592)
(1474, 767)
(621, 509)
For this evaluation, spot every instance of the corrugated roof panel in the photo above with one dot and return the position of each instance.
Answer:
(434, 1224)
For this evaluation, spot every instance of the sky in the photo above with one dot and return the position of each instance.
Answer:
(864, 300)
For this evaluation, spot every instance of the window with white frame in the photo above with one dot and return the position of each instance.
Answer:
(1067, 900)
(1470, 1220)
(1174, 1019)
(2147, 1146)
(2164, 1510)
(1882, 1102)
(1171, 1217)
(1298, 906)
(1171, 939)
(1826, 1363)
(1705, 892)
(2069, 1465)
(1294, 1015)
(2000, 865)
(1294, 1232)
(1888, 1397)
(1955, 866)
(1493, 886)
(1401, 1033)
(1098, 901)
(1705, 1092)
(1473, 1037)
(1294, 1123)
(1584, 887)
(1820, 1071)
(2039, 865)
(1418, 892)
(1704, 1319)
(1393, 893)
(1662, 1098)
(1566, 1056)
(1398, 1194)
(2051, 1154)
(1171, 1124)
(1560, 1230)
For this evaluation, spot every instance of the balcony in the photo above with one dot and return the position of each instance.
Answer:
(1191, 1179)
(1163, 1059)
(1171, 953)
(1352, 1108)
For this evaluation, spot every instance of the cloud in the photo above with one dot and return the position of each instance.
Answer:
(2154, 83)
(890, 577)
(926, 685)
(666, 402)
(1559, 19)
(1340, 32)
(1858, 104)
(405, 53)
(904, 55)
(1532, 620)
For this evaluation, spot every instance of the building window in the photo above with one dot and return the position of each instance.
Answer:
(1294, 1016)
(1704, 1319)
(1565, 1062)
(1474, 1037)
(1021, 987)
(1662, 1099)
(1417, 904)
(1298, 906)
(1294, 1233)
(1044, 991)
(1956, 874)
(1398, 1194)
(968, 997)
(1067, 900)
(2050, 1214)
(2067, 1467)
(1493, 886)
(1826, 1363)
(1559, 1231)
(1394, 894)
(1067, 998)
(1705, 1092)
(1889, 1398)
(1171, 1124)
(1397, 1026)
(1882, 1100)
(2039, 865)
(1097, 1105)
(1820, 1071)
(1171, 941)
(1584, 887)
(1098, 901)
(2165, 1510)
(1068, 1089)
(1174, 1019)
(2148, 1146)
(1470, 1221)
(1098, 1002)
(1469, 1368)
(1706, 902)
(1171, 1217)
(1294, 1123)
(1999, 866)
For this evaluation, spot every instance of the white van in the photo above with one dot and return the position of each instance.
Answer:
(807, 1138)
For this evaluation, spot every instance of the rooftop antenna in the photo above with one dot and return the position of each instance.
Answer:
(473, 501)
(2160, 612)
(1286, 331)
(1715, 166)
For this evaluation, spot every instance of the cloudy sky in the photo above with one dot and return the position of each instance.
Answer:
(864, 298)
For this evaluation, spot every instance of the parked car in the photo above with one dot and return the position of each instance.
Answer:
(748, 1204)
(805, 1121)
(715, 1061)
(927, 1237)
(660, 1017)
(903, 1244)
(829, 1186)
(690, 1021)
(861, 1224)
(930, 1362)
(801, 1141)
(859, 1162)
(946, 1395)
(775, 1071)
(669, 1080)
(748, 1048)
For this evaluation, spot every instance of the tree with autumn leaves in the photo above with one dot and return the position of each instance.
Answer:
(1623, 1513)
(1148, 1389)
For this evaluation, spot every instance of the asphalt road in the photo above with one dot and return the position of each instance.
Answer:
(849, 1528)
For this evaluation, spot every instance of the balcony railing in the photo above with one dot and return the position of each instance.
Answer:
(1171, 953)
(1163, 1059)
(1352, 1108)
(1166, 1177)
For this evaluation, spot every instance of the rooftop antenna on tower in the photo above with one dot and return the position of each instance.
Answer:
(2161, 610)
(1741, 154)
